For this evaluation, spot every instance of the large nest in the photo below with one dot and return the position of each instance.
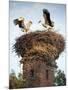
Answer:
(40, 45)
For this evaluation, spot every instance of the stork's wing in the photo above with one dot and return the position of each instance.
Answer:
(21, 24)
(15, 21)
(52, 24)
(27, 25)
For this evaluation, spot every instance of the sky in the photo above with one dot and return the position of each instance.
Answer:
(33, 11)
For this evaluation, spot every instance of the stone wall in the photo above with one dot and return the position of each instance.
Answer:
(37, 77)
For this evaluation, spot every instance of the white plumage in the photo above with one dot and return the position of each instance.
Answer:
(23, 24)
(46, 21)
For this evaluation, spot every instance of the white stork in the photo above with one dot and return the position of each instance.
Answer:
(25, 26)
(47, 23)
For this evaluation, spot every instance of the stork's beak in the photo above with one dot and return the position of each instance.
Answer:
(39, 21)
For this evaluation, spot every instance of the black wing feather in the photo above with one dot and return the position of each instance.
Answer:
(15, 21)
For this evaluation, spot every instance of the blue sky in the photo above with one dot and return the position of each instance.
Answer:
(33, 11)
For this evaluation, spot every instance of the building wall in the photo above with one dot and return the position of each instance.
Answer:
(37, 74)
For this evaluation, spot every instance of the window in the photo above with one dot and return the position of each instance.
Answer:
(32, 73)
(47, 74)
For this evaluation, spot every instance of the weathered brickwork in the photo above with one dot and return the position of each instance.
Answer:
(35, 74)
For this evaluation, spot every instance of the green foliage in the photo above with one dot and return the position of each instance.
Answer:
(60, 78)
(16, 82)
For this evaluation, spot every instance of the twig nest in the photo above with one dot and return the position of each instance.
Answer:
(40, 45)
